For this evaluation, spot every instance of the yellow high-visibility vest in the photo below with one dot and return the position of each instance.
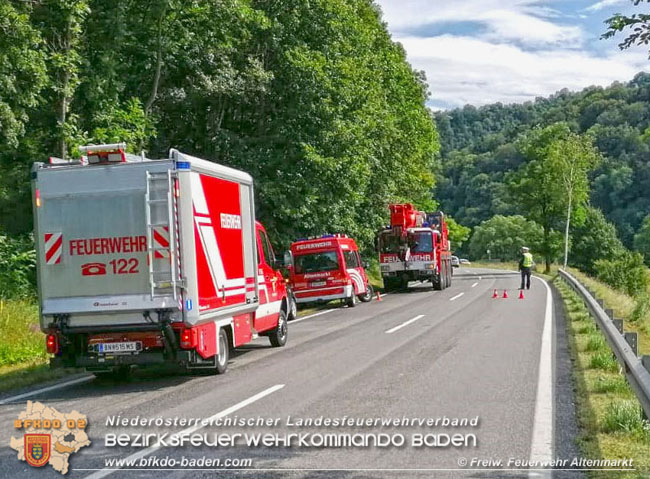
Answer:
(528, 260)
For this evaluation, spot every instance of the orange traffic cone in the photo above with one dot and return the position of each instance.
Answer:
(378, 296)
(505, 294)
(495, 295)
(521, 294)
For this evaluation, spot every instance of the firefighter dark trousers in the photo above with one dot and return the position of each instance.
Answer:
(525, 278)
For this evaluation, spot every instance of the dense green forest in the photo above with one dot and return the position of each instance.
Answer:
(481, 148)
(313, 98)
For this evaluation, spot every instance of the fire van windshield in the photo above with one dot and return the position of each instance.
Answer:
(316, 262)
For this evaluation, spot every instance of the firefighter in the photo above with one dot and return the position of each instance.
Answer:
(525, 266)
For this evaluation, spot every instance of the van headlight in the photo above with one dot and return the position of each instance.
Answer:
(385, 267)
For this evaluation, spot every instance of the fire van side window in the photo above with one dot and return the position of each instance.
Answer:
(266, 247)
(351, 259)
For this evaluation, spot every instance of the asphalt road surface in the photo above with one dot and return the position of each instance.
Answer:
(416, 354)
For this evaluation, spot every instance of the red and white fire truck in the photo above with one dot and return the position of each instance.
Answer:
(415, 246)
(326, 268)
(146, 262)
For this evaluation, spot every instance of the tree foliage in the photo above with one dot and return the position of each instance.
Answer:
(480, 146)
(313, 99)
(504, 236)
(642, 240)
(638, 23)
(594, 239)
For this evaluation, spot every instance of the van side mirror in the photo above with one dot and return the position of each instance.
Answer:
(288, 259)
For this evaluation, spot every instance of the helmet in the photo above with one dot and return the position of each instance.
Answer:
(525, 249)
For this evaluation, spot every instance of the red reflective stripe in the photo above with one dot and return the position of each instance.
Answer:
(160, 239)
(54, 249)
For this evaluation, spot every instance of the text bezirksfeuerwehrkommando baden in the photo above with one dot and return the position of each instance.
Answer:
(290, 421)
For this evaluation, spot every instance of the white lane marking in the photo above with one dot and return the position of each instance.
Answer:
(541, 448)
(480, 278)
(190, 430)
(406, 323)
(475, 284)
(46, 389)
(309, 316)
(456, 297)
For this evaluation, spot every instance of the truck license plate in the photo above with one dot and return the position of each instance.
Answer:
(316, 284)
(122, 347)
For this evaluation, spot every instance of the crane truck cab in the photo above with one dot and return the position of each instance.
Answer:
(143, 262)
(414, 247)
(326, 268)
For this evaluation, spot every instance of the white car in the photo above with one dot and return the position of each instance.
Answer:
(464, 261)
(455, 262)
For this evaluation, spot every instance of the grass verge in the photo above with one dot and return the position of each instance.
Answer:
(23, 359)
(622, 305)
(609, 415)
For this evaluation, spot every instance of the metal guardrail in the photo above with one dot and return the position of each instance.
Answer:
(624, 345)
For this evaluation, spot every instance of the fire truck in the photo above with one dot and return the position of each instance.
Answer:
(329, 267)
(415, 246)
(144, 262)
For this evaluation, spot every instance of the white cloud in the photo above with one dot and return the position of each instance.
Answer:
(604, 4)
(462, 70)
(524, 21)
(523, 50)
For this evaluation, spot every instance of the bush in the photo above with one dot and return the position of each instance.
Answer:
(17, 267)
(641, 311)
(626, 272)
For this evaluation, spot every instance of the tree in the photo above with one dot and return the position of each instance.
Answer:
(638, 23)
(458, 233)
(536, 187)
(22, 70)
(573, 157)
(642, 240)
(504, 236)
(594, 239)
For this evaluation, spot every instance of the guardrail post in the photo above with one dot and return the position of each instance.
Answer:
(618, 324)
(610, 313)
(601, 303)
(633, 340)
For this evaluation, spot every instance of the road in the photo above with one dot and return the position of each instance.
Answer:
(457, 353)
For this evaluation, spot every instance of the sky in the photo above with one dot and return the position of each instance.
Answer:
(484, 51)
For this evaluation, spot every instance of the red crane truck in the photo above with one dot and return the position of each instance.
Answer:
(415, 246)
(145, 262)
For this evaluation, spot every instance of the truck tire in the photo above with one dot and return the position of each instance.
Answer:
(224, 352)
(278, 336)
(437, 282)
(390, 284)
(451, 272)
(367, 296)
(351, 301)
(293, 307)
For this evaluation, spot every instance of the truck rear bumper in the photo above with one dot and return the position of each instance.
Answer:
(323, 294)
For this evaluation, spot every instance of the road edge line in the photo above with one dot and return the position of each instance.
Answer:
(541, 447)
(145, 452)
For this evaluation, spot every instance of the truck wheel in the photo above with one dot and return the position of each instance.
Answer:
(224, 352)
(367, 296)
(293, 308)
(437, 282)
(278, 336)
(351, 301)
(451, 272)
(389, 284)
